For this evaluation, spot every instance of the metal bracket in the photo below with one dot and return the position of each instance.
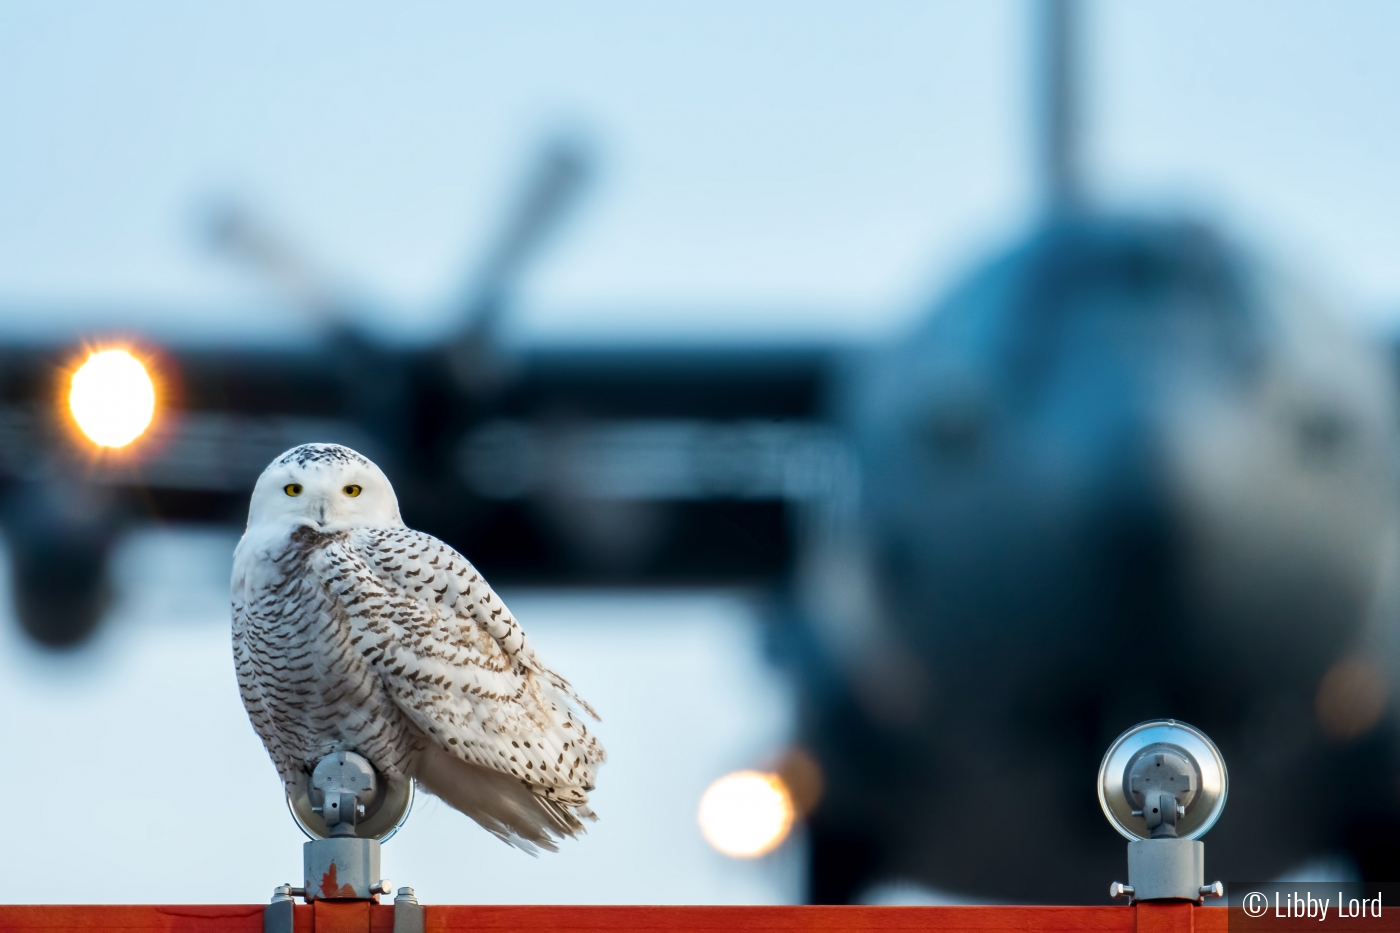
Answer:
(1162, 784)
(278, 916)
(408, 913)
(345, 782)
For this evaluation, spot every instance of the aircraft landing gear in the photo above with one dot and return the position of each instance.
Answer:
(58, 548)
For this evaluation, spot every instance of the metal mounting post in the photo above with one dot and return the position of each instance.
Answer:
(1166, 869)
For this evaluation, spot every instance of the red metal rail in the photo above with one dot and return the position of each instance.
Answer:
(362, 917)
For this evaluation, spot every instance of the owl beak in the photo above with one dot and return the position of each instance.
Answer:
(315, 516)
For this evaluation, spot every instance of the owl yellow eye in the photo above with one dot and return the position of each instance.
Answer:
(292, 489)
(352, 490)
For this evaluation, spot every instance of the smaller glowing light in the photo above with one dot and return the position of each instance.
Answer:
(1350, 699)
(746, 814)
(112, 398)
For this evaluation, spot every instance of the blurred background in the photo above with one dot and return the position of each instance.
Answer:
(873, 409)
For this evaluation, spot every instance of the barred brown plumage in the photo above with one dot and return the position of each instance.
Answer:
(352, 632)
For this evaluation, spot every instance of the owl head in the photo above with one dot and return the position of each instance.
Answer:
(325, 486)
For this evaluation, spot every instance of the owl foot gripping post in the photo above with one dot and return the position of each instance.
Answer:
(345, 810)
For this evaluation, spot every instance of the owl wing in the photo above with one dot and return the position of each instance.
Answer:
(459, 665)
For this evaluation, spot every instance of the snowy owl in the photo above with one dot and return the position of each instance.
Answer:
(352, 632)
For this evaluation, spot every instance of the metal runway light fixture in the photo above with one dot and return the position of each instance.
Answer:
(1162, 785)
(379, 816)
(347, 808)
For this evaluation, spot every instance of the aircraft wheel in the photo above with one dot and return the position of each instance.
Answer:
(58, 560)
(60, 588)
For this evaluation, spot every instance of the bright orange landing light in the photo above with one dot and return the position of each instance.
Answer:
(112, 398)
(746, 814)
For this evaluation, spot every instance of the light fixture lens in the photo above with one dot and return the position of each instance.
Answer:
(746, 814)
(112, 398)
(1191, 744)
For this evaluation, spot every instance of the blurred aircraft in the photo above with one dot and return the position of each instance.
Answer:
(1121, 474)
(1125, 471)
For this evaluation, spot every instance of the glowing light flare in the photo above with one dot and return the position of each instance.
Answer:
(112, 398)
(746, 814)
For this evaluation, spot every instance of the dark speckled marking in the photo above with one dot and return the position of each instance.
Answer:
(321, 453)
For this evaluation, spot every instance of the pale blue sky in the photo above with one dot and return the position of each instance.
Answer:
(789, 168)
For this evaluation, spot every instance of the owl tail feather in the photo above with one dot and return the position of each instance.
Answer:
(502, 805)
